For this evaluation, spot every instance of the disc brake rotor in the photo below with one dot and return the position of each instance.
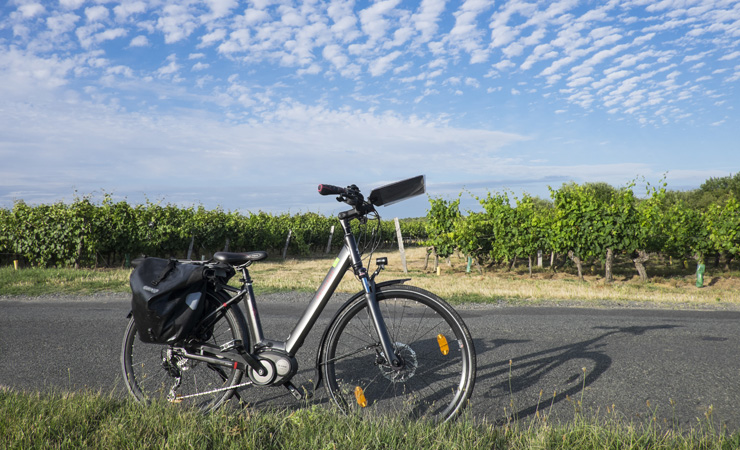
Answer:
(408, 356)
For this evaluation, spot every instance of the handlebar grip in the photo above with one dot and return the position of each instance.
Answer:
(328, 189)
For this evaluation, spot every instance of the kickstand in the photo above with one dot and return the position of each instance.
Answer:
(296, 393)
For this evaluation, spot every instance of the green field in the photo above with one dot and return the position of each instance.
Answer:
(92, 420)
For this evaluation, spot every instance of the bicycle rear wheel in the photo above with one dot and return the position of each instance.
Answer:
(155, 372)
(430, 338)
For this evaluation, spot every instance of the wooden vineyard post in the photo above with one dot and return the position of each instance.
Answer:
(399, 236)
(331, 235)
(190, 248)
(287, 242)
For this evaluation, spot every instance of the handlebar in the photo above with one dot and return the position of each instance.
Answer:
(384, 195)
(350, 195)
(328, 189)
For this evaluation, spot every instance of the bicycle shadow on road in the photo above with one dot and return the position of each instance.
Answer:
(572, 368)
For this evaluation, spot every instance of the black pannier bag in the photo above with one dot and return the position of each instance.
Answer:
(168, 299)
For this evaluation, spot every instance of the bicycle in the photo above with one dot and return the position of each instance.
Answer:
(390, 349)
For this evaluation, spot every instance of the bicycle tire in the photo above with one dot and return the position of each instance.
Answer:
(433, 384)
(149, 369)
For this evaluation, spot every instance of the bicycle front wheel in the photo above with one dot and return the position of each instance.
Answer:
(155, 372)
(431, 340)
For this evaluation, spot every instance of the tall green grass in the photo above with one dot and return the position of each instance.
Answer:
(90, 420)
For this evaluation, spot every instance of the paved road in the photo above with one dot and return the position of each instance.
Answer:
(683, 363)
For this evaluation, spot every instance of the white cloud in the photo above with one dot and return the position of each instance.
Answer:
(580, 81)
(213, 37)
(221, 8)
(110, 34)
(313, 69)
(238, 41)
(139, 41)
(176, 23)
(254, 16)
(62, 23)
(170, 68)
(29, 10)
(381, 65)
(730, 56)
(71, 4)
(373, 20)
(128, 9)
(426, 19)
(335, 55)
(96, 13)
(465, 34)
(25, 75)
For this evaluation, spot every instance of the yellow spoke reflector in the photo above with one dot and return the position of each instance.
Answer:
(444, 347)
(360, 396)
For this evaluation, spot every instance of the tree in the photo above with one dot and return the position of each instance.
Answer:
(714, 190)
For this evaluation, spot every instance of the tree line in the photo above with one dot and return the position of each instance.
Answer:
(85, 233)
(594, 221)
(586, 222)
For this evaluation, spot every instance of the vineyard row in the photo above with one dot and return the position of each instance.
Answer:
(85, 234)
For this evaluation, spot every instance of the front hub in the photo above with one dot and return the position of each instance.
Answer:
(409, 362)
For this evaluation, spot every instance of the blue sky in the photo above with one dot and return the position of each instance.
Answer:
(250, 105)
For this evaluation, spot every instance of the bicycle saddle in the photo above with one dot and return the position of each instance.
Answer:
(237, 259)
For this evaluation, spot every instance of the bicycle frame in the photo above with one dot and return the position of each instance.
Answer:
(348, 257)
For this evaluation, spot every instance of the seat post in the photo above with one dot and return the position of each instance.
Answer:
(246, 279)
(253, 317)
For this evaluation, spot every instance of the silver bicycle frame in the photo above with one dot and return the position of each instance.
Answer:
(348, 256)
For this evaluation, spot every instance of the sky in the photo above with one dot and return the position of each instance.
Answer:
(248, 106)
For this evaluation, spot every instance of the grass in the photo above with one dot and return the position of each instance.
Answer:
(36, 281)
(669, 287)
(93, 420)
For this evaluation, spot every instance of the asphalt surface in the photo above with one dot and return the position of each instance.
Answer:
(680, 368)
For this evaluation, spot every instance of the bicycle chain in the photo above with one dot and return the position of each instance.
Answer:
(237, 386)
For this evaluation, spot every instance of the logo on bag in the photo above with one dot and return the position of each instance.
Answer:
(150, 289)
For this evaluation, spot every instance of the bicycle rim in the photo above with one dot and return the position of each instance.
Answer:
(438, 355)
(151, 371)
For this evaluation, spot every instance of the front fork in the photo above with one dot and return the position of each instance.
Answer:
(377, 318)
(368, 284)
